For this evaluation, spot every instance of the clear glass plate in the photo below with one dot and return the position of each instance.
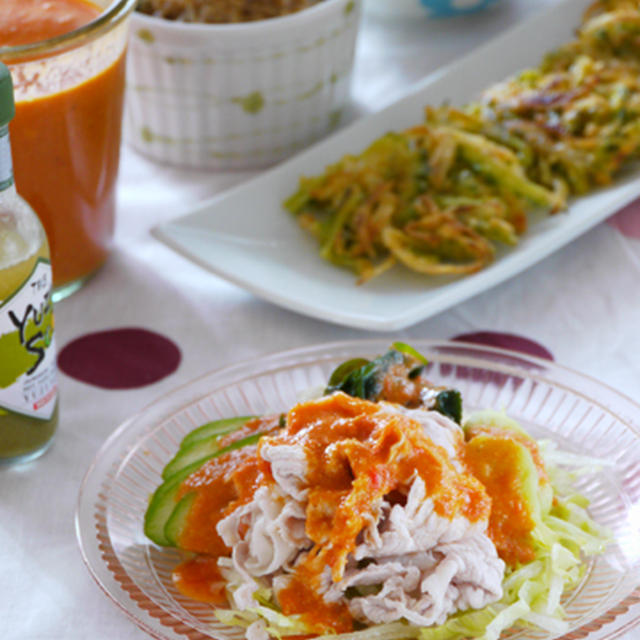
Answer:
(579, 413)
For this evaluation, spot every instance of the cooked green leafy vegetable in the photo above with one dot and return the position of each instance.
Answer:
(377, 380)
(362, 378)
(449, 403)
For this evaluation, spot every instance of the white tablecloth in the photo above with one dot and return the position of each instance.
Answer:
(581, 303)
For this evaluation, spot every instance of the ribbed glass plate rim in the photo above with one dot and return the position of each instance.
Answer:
(91, 523)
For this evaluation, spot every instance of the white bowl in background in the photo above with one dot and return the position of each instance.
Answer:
(238, 96)
(425, 8)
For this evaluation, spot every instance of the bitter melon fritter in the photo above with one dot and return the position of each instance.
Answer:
(438, 197)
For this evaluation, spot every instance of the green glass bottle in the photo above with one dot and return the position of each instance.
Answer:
(28, 373)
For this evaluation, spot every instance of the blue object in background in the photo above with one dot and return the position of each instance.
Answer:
(445, 8)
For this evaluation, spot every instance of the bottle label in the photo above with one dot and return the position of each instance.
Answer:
(28, 373)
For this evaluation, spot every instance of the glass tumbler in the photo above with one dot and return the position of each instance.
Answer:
(66, 137)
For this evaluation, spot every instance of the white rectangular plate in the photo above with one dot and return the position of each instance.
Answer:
(247, 237)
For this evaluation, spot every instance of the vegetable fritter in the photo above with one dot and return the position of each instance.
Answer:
(438, 197)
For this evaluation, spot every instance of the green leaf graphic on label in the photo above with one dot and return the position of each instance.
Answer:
(22, 350)
(15, 359)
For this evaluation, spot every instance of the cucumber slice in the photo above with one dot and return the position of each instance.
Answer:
(199, 450)
(494, 419)
(164, 501)
(198, 462)
(177, 519)
(215, 428)
(162, 504)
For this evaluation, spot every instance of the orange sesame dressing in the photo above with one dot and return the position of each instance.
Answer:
(200, 579)
(301, 596)
(510, 434)
(398, 387)
(494, 460)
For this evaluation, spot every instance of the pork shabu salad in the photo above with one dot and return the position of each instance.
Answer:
(375, 511)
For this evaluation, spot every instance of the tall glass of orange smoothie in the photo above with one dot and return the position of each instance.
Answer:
(67, 62)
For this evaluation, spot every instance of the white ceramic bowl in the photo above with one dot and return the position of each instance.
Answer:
(237, 96)
(422, 8)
